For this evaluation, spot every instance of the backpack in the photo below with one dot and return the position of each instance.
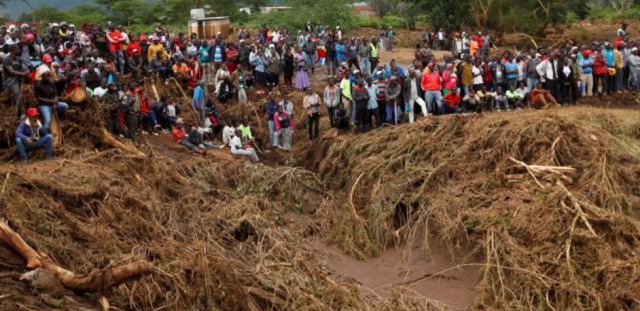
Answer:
(284, 121)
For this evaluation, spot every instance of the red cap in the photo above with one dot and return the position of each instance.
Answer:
(32, 112)
(46, 58)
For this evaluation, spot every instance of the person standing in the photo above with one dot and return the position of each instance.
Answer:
(393, 94)
(610, 62)
(600, 74)
(283, 128)
(374, 54)
(311, 103)
(270, 108)
(331, 100)
(130, 108)
(330, 55)
(361, 100)
(565, 80)
(14, 71)
(586, 63)
(411, 93)
(548, 72)
(431, 84)
(274, 65)
(199, 101)
(372, 105)
(619, 67)
(634, 70)
(466, 75)
(365, 57)
(288, 67)
(391, 37)
(345, 92)
(310, 49)
(302, 78)
(530, 69)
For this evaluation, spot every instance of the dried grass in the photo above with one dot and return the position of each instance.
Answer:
(550, 238)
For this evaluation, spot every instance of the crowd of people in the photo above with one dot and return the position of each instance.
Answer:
(361, 91)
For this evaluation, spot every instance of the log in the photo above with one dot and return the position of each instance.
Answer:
(108, 139)
(94, 281)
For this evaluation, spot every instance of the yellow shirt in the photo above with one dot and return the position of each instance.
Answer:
(153, 51)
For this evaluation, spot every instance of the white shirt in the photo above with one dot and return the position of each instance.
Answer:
(171, 111)
(545, 70)
(235, 144)
(99, 91)
(477, 77)
(227, 133)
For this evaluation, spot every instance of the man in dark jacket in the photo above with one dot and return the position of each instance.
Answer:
(361, 99)
(310, 49)
(31, 135)
(331, 57)
(393, 93)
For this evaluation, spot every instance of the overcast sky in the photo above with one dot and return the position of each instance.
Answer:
(15, 7)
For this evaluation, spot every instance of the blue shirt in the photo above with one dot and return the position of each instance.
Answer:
(340, 50)
(584, 62)
(203, 54)
(511, 66)
(609, 58)
(198, 97)
(373, 102)
(400, 70)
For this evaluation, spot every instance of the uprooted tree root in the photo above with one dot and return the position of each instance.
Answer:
(547, 197)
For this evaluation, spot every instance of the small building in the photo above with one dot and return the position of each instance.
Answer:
(208, 27)
(266, 9)
(363, 9)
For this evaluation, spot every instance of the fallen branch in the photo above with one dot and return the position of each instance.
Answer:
(108, 139)
(94, 281)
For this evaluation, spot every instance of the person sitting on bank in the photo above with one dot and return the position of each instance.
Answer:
(32, 135)
(239, 149)
(542, 98)
(180, 137)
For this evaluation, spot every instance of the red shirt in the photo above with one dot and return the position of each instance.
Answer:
(431, 81)
(599, 67)
(144, 103)
(178, 133)
(451, 100)
(134, 46)
(534, 94)
(115, 40)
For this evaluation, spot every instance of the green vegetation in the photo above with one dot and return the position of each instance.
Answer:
(529, 16)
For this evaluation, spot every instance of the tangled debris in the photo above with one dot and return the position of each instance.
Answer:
(546, 197)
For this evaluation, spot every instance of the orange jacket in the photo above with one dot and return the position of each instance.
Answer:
(431, 81)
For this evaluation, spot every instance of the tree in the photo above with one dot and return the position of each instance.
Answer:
(620, 5)
(407, 11)
(382, 7)
(47, 14)
(482, 10)
(446, 14)
(82, 13)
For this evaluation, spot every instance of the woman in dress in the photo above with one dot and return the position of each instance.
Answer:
(302, 79)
